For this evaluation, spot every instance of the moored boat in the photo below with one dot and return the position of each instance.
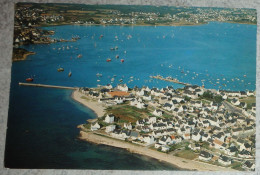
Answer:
(29, 79)
(109, 59)
(60, 69)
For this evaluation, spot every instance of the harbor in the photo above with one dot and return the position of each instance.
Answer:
(47, 86)
(174, 80)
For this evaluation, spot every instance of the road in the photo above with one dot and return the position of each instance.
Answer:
(233, 109)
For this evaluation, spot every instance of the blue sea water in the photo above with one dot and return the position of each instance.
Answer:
(42, 122)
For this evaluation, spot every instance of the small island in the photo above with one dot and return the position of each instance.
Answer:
(188, 127)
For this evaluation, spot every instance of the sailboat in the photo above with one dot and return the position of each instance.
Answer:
(60, 69)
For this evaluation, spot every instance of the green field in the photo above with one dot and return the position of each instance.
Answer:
(127, 113)
(187, 154)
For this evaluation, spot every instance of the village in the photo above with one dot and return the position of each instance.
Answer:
(216, 127)
(29, 17)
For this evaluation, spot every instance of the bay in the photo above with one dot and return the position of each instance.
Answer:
(42, 122)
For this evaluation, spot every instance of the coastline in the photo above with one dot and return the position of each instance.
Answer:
(96, 107)
(181, 163)
(20, 54)
(133, 25)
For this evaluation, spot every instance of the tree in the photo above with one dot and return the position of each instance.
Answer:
(218, 99)
(186, 98)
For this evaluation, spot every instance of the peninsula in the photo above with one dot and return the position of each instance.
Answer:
(192, 127)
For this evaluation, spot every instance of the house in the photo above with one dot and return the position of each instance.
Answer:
(231, 151)
(235, 102)
(165, 140)
(95, 126)
(205, 123)
(243, 105)
(110, 128)
(157, 145)
(140, 92)
(205, 137)
(194, 147)
(125, 134)
(243, 94)
(109, 118)
(240, 142)
(128, 126)
(250, 93)
(119, 100)
(155, 92)
(244, 154)
(152, 119)
(237, 131)
(157, 134)
(177, 98)
(249, 165)
(186, 136)
(148, 139)
(141, 105)
(162, 126)
(190, 94)
(122, 87)
(146, 88)
(224, 160)
(245, 146)
(224, 96)
(205, 156)
(233, 93)
(197, 104)
(218, 144)
(163, 100)
(165, 148)
(168, 106)
(134, 135)
(116, 133)
(157, 112)
(214, 106)
(199, 92)
(108, 86)
(147, 97)
(248, 129)
(195, 136)
(140, 122)
(253, 107)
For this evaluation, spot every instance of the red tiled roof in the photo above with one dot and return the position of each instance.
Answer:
(118, 93)
(216, 141)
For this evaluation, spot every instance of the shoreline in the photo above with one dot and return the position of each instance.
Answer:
(179, 162)
(20, 54)
(133, 25)
(96, 107)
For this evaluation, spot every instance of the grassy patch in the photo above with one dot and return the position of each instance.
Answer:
(85, 98)
(166, 115)
(248, 101)
(187, 154)
(87, 125)
(127, 113)
(237, 166)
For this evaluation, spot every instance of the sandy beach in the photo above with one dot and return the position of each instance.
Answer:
(98, 108)
(176, 161)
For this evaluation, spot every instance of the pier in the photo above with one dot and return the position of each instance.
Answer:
(170, 80)
(47, 86)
